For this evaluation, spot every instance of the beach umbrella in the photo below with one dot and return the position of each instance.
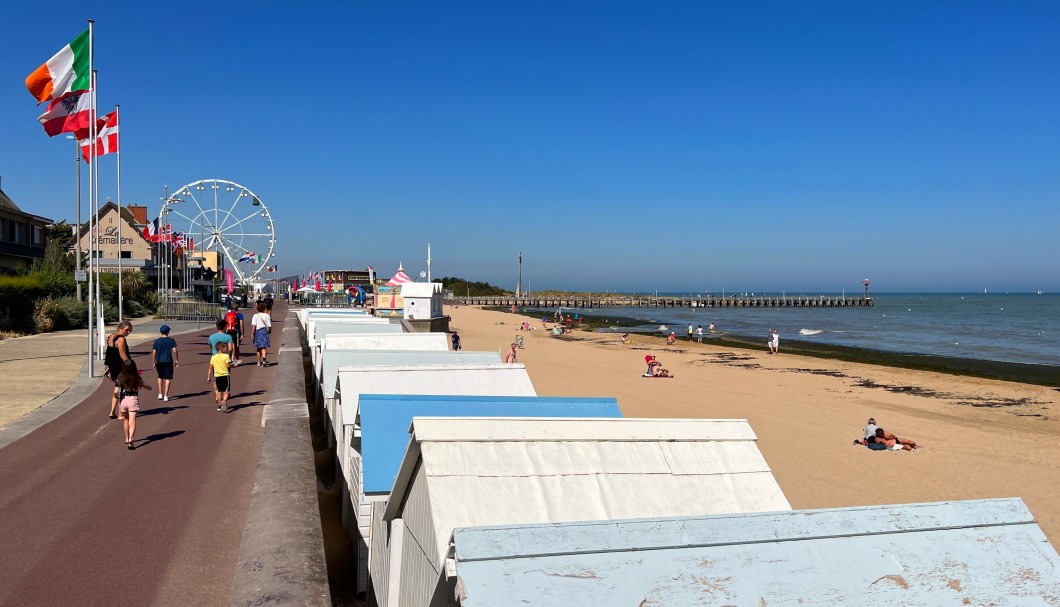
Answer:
(399, 279)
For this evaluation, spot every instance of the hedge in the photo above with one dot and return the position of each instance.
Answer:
(17, 295)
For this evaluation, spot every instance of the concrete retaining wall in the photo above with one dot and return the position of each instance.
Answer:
(281, 560)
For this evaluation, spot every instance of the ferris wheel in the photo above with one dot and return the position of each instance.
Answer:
(226, 218)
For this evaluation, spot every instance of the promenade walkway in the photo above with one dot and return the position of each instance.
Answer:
(85, 521)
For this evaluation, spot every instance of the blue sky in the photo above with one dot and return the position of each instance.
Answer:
(679, 146)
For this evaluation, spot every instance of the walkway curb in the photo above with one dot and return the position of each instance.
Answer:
(281, 559)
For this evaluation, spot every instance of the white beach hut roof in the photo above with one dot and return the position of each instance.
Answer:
(982, 552)
(469, 472)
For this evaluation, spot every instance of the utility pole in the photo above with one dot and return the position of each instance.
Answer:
(519, 287)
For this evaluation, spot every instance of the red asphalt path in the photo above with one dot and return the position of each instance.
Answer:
(85, 521)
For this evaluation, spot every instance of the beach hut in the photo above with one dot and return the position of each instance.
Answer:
(385, 422)
(980, 552)
(383, 341)
(317, 327)
(468, 472)
(484, 379)
(423, 306)
(331, 360)
(319, 330)
(305, 314)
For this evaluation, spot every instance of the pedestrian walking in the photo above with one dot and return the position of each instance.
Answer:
(164, 359)
(699, 334)
(219, 374)
(510, 358)
(115, 358)
(220, 337)
(774, 341)
(234, 327)
(129, 385)
(456, 341)
(262, 327)
(691, 330)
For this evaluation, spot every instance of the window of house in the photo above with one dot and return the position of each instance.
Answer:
(126, 254)
(38, 236)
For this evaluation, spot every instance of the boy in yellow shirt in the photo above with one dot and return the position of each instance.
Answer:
(220, 364)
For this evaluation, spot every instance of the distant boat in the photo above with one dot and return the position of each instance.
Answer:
(1040, 292)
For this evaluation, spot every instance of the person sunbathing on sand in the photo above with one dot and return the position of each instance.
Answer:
(888, 440)
(655, 368)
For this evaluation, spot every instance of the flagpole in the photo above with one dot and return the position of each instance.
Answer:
(117, 155)
(91, 218)
(94, 135)
(77, 163)
(156, 239)
(161, 245)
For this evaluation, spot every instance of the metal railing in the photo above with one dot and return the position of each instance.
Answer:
(200, 311)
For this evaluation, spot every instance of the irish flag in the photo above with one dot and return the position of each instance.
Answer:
(67, 71)
(68, 114)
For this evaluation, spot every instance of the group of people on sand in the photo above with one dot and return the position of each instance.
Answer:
(122, 370)
(878, 439)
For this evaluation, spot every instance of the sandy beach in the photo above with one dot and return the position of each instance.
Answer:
(981, 438)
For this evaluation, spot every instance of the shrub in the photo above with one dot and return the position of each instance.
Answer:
(56, 283)
(17, 294)
(110, 312)
(60, 314)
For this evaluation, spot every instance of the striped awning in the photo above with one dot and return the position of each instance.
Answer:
(399, 279)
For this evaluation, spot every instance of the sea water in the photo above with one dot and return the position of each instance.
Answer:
(985, 326)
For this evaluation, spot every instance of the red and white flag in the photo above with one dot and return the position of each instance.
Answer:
(106, 140)
(70, 113)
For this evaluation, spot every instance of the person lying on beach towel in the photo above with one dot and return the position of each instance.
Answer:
(884, 440)
(655, 368)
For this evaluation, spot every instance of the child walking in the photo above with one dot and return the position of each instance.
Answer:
(218, 373)
(129, 385)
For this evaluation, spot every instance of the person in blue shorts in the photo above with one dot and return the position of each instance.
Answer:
(164, 358)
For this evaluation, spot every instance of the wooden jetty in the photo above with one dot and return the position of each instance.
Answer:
(651, 301)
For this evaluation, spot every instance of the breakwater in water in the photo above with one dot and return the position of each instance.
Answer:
(652, 301)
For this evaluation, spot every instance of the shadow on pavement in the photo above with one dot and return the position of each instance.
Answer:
(157, 437)
(246, 394)
(159, 410)
(244, 406)
(190, 395)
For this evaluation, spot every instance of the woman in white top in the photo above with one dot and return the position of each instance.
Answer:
(262, 326)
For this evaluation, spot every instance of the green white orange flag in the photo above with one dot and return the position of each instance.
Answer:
(67, 71)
